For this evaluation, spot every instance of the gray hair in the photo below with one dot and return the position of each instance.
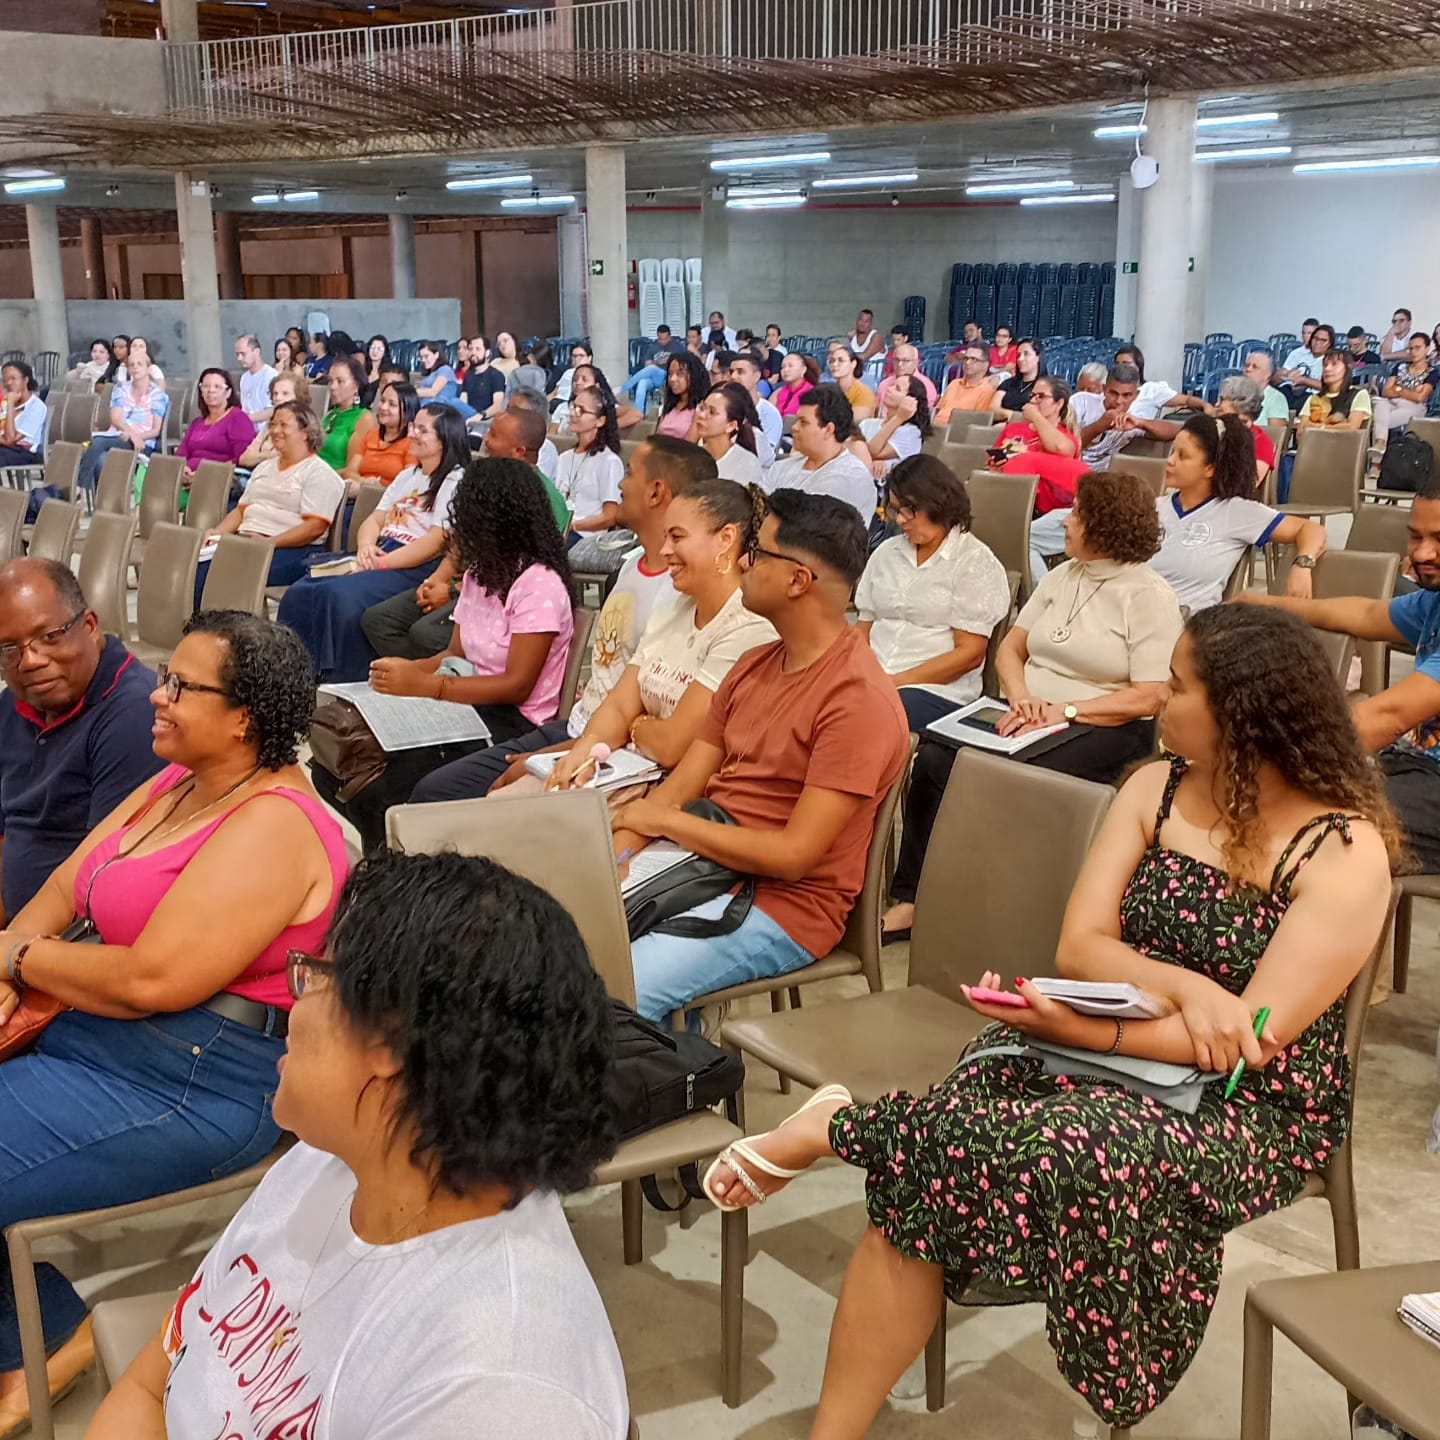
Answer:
(529, 398)
(1264, 355)
(1093, 371)
(250, 342)
(1244, 394)
(1124, 374)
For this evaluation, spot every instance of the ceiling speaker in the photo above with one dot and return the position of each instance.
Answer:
(1144, 171)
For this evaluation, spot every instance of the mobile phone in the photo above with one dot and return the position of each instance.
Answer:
(998, 997)
(997, 454)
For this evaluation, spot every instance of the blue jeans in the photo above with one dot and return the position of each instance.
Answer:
(1047, 537)
(106, 1112)
(641, 383)
(671, 971)
(94, 458)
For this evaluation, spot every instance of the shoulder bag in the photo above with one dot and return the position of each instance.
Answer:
(659, 905)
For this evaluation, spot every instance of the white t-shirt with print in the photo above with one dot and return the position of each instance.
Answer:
(844, 477)
(490, 1329)
(618, 628)
(589, 481)
(1200, 548)
(403, 506)
(674, 654)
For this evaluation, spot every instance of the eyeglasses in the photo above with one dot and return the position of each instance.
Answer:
(900, 514)
(175, 686)
(301, 968)
(756, 551)
(50, 640)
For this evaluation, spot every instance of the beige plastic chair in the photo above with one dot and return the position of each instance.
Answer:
(990, 682)
(1383, 528)
(963, 459)
(166, 597)
(105, 569)
(56, 526)
(628, 449)
(13, 505)
(82, 415)
(209, 490)
(1356, 572)
(123, 1328)
(159, 499)
(116, 485)
(1000, 511)
(641, 429)
(986, 435)
(1346, 1323)
(1427, 428)
(957, 429)
(1426, 887)
(1329, 468)
(238, 574)
(563, 844)
(1150, 469)
(563, 443)
(62, 466)
(575, 660)
(365, 503)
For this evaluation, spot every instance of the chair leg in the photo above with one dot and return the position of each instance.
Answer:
(794, 997)
(734, 1248)
(632, 1221)
(935, 1362)
(1404, 911)
(32, 1334)
(1255, 1384)
(1340, 1192)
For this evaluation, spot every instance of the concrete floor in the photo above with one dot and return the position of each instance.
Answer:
(1002, 1377)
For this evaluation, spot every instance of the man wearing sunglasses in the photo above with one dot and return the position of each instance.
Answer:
(75, 721)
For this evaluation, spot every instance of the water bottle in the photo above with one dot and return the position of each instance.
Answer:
(1084, 1427)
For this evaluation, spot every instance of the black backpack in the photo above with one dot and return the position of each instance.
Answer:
(663, 1075)
(1408, 464)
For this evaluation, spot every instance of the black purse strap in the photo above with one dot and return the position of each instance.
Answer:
(691, 927)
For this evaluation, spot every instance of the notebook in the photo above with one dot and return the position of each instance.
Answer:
(1422, 1314)
(978, 723)
(624, 767)
(1096, 997)
(341, 565)
(655, 859)
(408, 722)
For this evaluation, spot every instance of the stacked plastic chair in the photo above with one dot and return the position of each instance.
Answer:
(652, 299)
(672, 286)
(915, 318)
(695, 291)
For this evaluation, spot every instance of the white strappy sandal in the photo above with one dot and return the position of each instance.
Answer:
(742, 1153)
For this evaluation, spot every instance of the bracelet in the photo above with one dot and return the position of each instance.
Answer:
(1119, 1036)
(440, 691)
(14, 959)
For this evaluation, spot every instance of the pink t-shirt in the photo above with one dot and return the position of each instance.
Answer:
(676, 423)
(124, 894)
(538, 604)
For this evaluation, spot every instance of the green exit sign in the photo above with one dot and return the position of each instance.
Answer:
(1130, 267)
(597, 267)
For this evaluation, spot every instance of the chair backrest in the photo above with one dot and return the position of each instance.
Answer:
(1150, 469)
(990, 683)
(1000, 510)
(1329, 465)
(1239, 579)
(1382, 528)
(983, 898)
(986, 435)
(962, 459)
(116, 486)
(628, 449)
(13, 505)
(82, 415)
(56, 405)
(1426, 428)
(579, 650)
(335, 535)
(238, 574)
(1357, 995)
(53, 537)
(1352, 572)
(160, 494)
(166, 596)
(561, 842)
(209, 490)
(62, 466)
(105, 569)
(958, 428)
(363, 509)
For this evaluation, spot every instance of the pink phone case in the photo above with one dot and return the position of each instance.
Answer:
(998, 997)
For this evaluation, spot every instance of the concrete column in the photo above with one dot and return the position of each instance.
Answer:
(606, 246)
(181, 20)
(42, 223)
(92, 245)
(1165, 240)
(1202, 192)
(1127, 257)
(227, 243)
(714, 251)
(402, 256)
(197, 270)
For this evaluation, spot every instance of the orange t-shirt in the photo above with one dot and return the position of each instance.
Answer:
(383, 462)
(836, 725)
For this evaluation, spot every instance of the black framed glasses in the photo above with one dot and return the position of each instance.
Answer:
(302, 969)
(755, 551)
(900, 514)
(50, 640)
(175, 686)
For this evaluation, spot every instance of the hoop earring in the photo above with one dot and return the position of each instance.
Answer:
(729, 565)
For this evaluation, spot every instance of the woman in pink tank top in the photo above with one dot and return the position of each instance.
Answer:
(166, 933)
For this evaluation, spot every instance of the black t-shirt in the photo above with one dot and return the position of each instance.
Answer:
(1365, 357)
(1015, 393)
(662, 355)
(480, 387)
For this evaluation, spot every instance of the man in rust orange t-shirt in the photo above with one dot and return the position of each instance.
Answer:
(804, 739)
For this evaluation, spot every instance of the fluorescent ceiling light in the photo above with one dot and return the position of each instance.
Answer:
(765, 202)
(34, 187)
(20, 172)
(1118, 132)
(1020, 187)
(271, 199)
(757, 162)
(1392, 162)
(301, 195)
(845, 182)
(532, 202)
(1090, 199)
(1242, 152)
(1218, 122)
(489, 182)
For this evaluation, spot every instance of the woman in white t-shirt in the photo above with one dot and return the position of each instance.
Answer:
(589, 475)
(725, 422)
(931, 597)
(690, 643)
(1209, 523)
(407, 1271)
(902, 427)
(399, 546)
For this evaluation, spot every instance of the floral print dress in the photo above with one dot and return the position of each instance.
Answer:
(1109, 1205)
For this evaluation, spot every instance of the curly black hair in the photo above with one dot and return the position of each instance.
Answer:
(481, 986)
(1229, 449)
(698, 376)
(1117, 512)
(267, 671)
(501, 523)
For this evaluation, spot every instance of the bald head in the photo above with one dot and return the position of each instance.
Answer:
(516, 434)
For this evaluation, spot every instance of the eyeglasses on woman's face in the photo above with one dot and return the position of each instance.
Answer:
(304, 971)
(175, 685)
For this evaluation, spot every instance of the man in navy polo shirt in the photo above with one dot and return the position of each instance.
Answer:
(75, 723)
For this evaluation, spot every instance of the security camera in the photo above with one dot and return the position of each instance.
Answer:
(894, 199)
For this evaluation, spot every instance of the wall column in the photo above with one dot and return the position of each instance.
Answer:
(402, 256)
(42, 223)
(714, 250)
(227, 243)
(605, 244)
(1165, 240)
(181, 21)
(92, 245)
(1202, 192)
(1127, 254)
(197, 270)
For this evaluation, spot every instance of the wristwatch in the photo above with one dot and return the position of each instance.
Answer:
(1072, 712)
(1305, 562)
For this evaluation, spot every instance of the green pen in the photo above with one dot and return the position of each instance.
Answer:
(1261, 1020)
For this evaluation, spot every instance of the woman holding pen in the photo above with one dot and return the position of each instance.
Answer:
(1251, 871)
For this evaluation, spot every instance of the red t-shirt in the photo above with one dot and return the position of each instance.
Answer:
(1264, 446)
(1004, 359)
(836, 725)
(1059, 474)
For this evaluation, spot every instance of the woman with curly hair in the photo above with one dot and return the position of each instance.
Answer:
(443, 1178)
(1249, 873)
(687, 383)
(1089, 651)
(513, 623)
(160, 1073)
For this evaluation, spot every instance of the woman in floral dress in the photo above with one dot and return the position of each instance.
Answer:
(1254, 872)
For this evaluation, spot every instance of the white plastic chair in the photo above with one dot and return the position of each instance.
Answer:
(672, 278)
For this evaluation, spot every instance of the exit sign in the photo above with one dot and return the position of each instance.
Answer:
(597, 267)
(1130, 267)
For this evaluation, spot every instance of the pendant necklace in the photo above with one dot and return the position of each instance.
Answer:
(1061, 633)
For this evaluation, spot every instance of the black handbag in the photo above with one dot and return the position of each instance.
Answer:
(659, 905)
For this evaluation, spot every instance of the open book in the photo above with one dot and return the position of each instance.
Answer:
(1097, 997)
(655, 859)
(978, 723)
(624, 767)
(407, 722)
